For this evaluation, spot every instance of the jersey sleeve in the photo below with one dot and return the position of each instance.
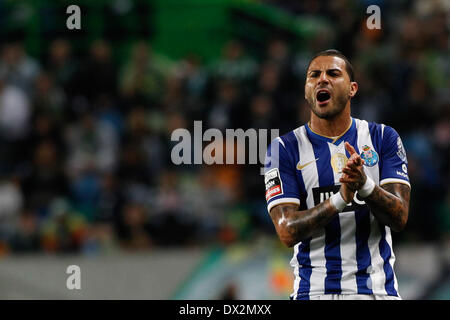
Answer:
(394, 162)
(279, 176)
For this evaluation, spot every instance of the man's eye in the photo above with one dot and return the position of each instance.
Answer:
(314, 75)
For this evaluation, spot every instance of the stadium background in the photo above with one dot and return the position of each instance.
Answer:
(85, 123)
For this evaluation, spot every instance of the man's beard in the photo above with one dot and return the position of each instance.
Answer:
(330, 113)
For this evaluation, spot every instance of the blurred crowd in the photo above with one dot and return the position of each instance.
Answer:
(85, 159)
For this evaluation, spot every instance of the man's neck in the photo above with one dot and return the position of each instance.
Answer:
(331, 127)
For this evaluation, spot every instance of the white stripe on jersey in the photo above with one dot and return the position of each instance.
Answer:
(392, 258)
(377, 275)
(364, 139)
(348, 231)
(317, 244)
(295, 265)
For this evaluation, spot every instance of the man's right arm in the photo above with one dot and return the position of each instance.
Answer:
(293, 226)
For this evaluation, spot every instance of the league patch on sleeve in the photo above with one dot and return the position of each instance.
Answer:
(403, 174)
(273, 183)
(401, 150)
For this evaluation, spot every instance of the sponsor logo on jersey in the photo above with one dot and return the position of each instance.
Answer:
(302, 166)
(273, 183)
(369, 156)
(321, 194)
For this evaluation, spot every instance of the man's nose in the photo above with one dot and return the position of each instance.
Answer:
(323, 78)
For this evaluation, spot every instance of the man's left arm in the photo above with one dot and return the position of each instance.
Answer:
(388, 203)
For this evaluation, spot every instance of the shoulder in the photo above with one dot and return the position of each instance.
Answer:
(382, 130)
(390, 141)
(383, 137)
(288, 140)
(390, 134)
(379, 131)
(374, 128)
(285, 147)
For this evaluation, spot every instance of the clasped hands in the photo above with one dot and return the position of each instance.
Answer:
(353, 175)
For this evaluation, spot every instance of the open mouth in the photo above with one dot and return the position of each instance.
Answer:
(323, 96)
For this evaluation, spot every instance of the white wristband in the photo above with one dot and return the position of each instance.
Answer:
(338, 202)
(367, 188)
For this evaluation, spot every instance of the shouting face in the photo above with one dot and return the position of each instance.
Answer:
(328, 88)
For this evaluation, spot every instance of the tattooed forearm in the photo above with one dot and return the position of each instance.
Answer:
(294, 226)
(390, 205)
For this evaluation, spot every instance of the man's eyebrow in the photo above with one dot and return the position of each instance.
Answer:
(332, 69)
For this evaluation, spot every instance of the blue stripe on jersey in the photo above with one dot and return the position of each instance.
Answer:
(363, 259)
(333, 229)
(333, 257)
(291, 146)
(362, 233)
(305, 270)
(385, 252)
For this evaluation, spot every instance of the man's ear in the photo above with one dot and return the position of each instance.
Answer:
(353, 88)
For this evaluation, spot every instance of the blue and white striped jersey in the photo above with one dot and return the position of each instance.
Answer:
(353, 254)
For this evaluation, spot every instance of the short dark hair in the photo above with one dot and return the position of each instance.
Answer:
(336, 53)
